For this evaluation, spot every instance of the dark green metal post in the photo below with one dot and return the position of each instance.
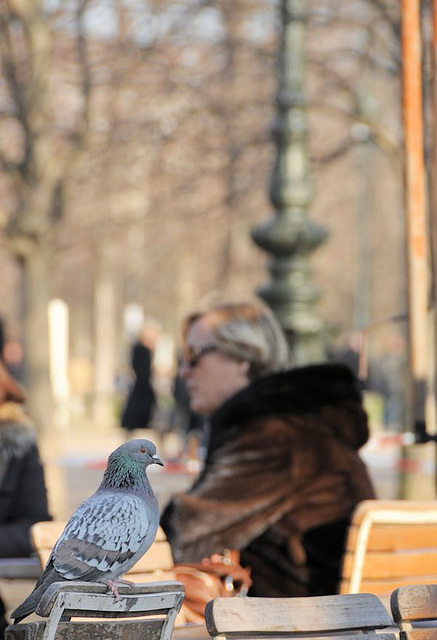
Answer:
(289, 236)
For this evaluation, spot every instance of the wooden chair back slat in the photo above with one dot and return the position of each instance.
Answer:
(108, 630)
(93, 630)
(418, 634)
(153, 609)
(293, 617)
(414, 605)
(383, 537)
(383, 588)
(386, 565)
(390, 544)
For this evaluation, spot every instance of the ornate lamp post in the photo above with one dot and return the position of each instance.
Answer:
(289, 236)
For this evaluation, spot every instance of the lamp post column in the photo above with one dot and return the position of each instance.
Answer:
(289, 236)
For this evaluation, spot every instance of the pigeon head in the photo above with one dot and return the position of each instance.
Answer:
(127, 465)
(141, 451)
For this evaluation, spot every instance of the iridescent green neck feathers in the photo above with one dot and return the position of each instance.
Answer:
(124, 473)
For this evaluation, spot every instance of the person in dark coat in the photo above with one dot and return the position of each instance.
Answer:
(23, 495)
(282, 473)
(140, 403)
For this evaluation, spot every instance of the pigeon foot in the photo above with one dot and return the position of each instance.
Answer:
(112, 585)
(113, 588)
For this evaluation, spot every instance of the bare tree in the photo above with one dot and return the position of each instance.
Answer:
(37, 162)
(138, 147)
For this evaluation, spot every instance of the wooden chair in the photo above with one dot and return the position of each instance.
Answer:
(143, 612)
(390, 544)
(320, 616)
(412, 606)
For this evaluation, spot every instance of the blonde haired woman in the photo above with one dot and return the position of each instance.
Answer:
(282, 473)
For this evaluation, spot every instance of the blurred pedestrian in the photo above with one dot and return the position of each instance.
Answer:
(23, 495)
(141, 400)
(394, 367)
(282, 473)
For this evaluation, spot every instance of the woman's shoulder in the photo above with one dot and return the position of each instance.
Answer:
(300, 390)
(318, 396)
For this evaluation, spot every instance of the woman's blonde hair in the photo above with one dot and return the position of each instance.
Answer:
(246, 331)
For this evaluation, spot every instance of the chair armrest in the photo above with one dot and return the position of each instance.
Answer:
(22, 568)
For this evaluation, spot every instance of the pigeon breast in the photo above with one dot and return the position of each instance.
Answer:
(106, 536)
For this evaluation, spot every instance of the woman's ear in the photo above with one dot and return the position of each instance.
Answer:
(244, 366)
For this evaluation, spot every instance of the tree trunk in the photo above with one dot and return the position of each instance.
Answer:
(104, 326)
(36, 296)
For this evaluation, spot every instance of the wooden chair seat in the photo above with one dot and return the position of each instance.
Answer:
(390, 544)
(319, 616)
(143, 612)
(412, 606)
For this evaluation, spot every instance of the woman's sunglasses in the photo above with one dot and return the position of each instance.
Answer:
(192, 355)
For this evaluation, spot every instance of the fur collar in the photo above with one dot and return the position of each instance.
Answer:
(329, 391)
(17, 434)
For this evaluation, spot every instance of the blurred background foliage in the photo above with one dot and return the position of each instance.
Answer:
(135, 155)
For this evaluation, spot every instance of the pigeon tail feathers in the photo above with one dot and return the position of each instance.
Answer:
(27, 607)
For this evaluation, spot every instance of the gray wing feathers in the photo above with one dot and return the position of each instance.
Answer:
(105, 535)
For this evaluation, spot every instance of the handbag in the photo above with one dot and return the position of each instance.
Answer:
(220, 575)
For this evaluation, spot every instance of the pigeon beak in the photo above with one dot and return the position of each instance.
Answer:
(157, 460)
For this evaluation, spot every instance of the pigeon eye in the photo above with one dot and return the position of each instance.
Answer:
(143, 450)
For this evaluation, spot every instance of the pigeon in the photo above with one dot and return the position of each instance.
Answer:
(110, 531)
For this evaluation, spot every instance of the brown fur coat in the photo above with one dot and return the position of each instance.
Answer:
(281, 478)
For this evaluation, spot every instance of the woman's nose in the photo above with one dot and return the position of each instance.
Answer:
(184, 370)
